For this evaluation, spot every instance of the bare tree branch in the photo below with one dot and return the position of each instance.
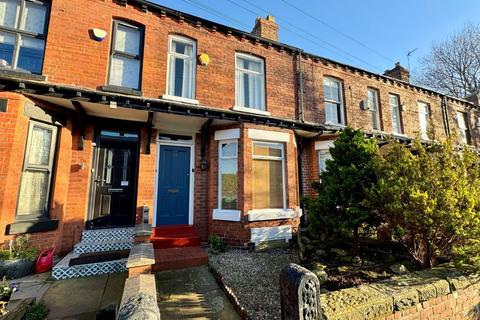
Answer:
(453, 65)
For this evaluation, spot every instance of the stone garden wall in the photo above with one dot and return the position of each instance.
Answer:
(439, 293)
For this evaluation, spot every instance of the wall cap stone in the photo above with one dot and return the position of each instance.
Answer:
(141, 254)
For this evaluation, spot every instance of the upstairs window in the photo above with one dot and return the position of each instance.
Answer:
(22, 34)
(424, 119)
(126, 56)
(181, 67)
(332, 90)
(395, 112)
(374, 107)
(462, 119)
(250, 82)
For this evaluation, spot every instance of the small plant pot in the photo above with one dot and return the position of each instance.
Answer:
(16, 268)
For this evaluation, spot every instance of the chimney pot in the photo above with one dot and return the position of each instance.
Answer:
(266, 28)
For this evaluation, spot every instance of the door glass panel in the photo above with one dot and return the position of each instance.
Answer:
(126, 159)
(108, 166)
(41, 142)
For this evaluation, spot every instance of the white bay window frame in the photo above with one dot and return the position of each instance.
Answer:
(228, 136)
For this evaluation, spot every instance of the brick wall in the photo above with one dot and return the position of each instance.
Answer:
(71, 57)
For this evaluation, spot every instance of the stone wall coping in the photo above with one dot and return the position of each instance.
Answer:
(141, 254)
(142, 230)
(139, 299)
(398, 293)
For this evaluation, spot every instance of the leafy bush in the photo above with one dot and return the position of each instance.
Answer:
(6, 290)
(430, 197)
(19, 248)
(37, 311)
(341, 190)
(217, 244)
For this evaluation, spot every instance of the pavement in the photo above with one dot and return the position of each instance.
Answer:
(78, 298)
(192, 293)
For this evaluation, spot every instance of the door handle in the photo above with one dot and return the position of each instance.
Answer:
(172, 190)
(115, 190)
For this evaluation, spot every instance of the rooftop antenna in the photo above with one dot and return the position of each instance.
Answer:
(409, 53)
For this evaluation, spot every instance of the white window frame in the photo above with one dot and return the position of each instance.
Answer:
(262, 109)
(192, 59)
(462, 121)
(19, 34)
(323, 154)
(282, 158)
(397, 111)
(374, 107)
(426, 113)
(339, 103)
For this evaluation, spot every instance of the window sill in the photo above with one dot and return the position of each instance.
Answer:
(31, 226)
(23, 74)
(273, 214)
(226, 215)
(123, 90)
(180, 99)
(336, 125)
(251, 110)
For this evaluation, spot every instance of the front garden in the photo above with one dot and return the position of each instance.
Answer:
(378, 212)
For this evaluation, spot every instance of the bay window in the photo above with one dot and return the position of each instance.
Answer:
(33, 200)
(332, 90)
(181, 67)
(374, 107)
(227, 175)
(268, 175)
(22, 34)
(249, 82)
(126, 56)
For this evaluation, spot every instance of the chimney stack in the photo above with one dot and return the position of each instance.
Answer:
(399, 73)
(266, 28)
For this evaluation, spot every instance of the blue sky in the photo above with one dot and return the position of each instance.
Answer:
(371, 34)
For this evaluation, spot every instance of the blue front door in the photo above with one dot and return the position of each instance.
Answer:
(173, 185)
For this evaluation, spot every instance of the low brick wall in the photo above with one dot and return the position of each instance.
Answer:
(439, 293)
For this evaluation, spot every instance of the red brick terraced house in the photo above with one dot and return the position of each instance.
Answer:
(112, 111)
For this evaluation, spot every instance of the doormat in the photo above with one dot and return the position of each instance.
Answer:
(94, 257)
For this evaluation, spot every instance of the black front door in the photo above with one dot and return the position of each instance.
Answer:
(114, 180)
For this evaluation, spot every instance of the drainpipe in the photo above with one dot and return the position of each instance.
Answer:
(300, 87)
(446, 122)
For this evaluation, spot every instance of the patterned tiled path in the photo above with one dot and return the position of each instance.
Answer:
(192, 293)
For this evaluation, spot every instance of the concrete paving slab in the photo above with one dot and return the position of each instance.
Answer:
(73, 297)
(192, 294)
(113, 290)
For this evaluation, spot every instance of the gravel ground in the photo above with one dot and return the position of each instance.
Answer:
(254, 278)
